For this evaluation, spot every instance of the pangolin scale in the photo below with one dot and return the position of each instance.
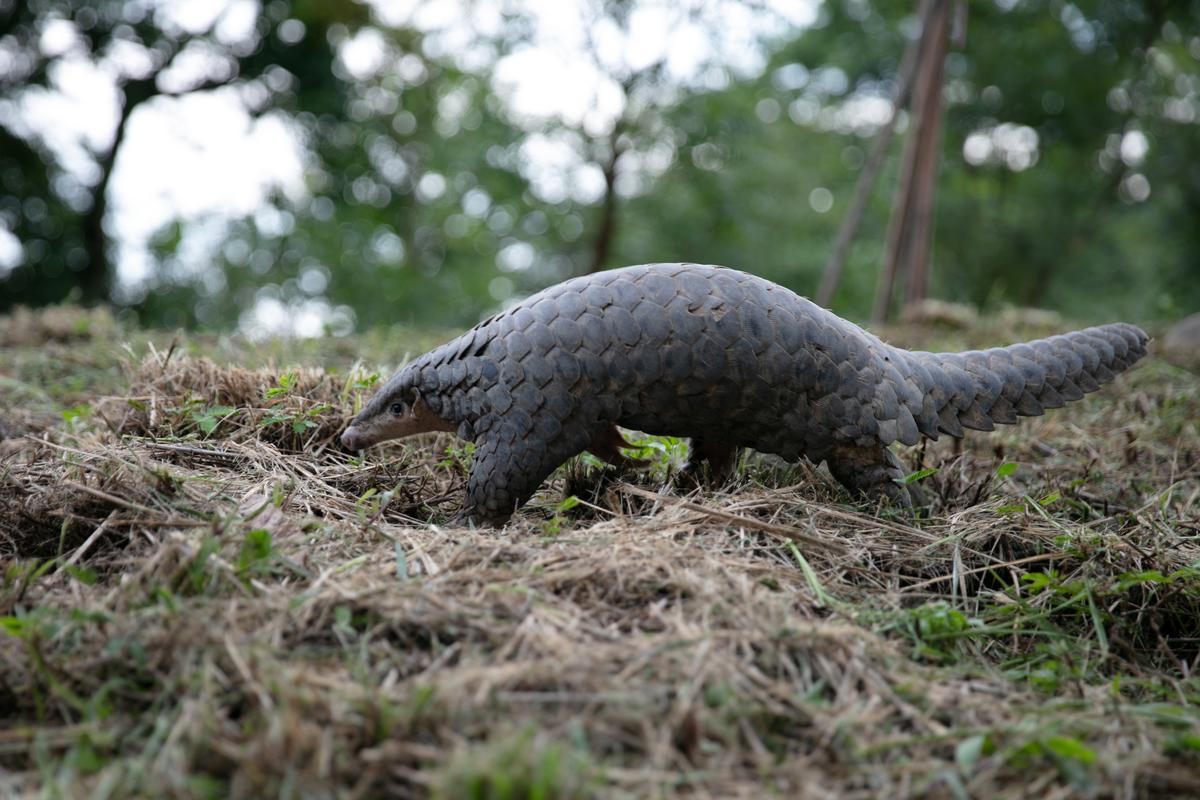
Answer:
(720, 356)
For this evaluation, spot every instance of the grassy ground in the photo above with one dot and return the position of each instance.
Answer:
(203, 597)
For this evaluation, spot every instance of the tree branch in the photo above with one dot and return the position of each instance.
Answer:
(866, 181)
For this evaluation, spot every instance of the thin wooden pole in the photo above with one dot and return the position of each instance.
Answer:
(917, 263)
(899, 241)
(866, 181)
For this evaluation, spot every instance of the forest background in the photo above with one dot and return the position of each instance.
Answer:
(309, 167)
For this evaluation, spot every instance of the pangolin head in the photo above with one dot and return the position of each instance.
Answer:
(396, 411)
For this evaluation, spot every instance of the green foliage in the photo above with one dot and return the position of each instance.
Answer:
(517, 767)
(968, 752)
(458, 457)
(823, 598)
(256, 552)
(198, 575)
(78, 418)
(554, 525)
(208, 417)
(663, 452)
(1078, 79)
(419, 205)
(287, 382)
(1184, 744)
(59, 217)
(366, 383)
(300, 420)
(85, 575)
(934, 629)
(919, 475)
(1068, 753)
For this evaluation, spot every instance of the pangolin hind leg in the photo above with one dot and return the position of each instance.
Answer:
(606, 445)
(720, 457)
(874, 471)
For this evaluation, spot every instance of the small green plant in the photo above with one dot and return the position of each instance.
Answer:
(256, 553)
(554, 525)
(1030, 505)
(919, 475)
(366, 381)
(207, 418)
(287, 382)
(590, 461)
(85, 575)
(199, 575)
(968, 752)
(366, 505)
(517, 767)
(934, 629)
(1183, 744)
(299, 421)
(663, 452)
(359, 386)
(372, 503)
(77, 418)
(458, 457)
(343, 623)
(1047, 580)
(823, 597)
(1048, 667)
(1069, 754)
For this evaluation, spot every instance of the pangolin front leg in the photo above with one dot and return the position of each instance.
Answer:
(516, 451)
(874, 471)
(504, 475)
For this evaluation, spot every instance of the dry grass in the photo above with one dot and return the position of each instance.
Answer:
(202, 597)
(24, 327)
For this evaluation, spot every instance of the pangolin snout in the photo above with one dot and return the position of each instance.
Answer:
(350, 439)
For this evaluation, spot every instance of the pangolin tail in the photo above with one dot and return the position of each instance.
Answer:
(978, 389)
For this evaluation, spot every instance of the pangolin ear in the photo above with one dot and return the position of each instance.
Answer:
(427, 405)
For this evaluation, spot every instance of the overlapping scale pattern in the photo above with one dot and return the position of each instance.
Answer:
(717, 354)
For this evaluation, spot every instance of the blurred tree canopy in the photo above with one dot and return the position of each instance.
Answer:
(1069, 177)
(60, 215)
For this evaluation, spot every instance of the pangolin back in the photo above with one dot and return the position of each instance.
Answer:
(728, 359)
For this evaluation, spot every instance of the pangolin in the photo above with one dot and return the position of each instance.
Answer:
(724, 358)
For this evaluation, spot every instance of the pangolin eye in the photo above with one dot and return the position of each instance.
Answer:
(397, 408)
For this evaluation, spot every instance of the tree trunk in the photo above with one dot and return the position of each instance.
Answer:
(607, 230)
(95, 280)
